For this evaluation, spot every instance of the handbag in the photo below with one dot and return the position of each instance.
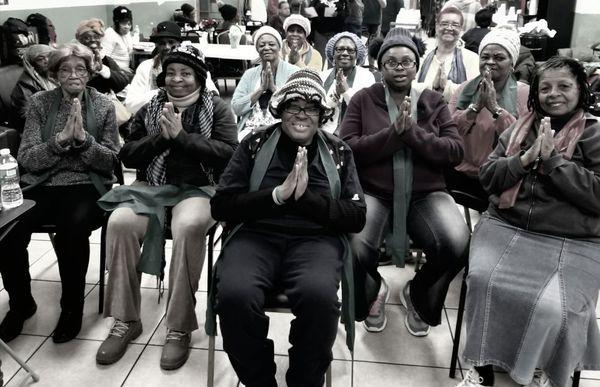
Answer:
(122, 114)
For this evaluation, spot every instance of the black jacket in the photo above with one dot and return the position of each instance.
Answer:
(21, 94)
(117, 81)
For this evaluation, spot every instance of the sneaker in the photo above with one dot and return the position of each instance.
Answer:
(413, 322)
(176, 350)
(540, 379)
(68, 326)
(376, 321)
(12, 324)
(472, 379)
(114, 346)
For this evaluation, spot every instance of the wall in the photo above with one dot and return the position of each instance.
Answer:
(586, 29)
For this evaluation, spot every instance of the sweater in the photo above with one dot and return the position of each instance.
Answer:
(250, 81)
(560, 197)
(315, 62)
(118, 47)
(433, 140)
(69, 166)
(481, 135)
(190, 152)
(316, 212)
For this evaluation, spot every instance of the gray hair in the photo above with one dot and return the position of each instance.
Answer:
(67, 50)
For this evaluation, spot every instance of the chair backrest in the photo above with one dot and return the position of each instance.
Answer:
(9, 138)
(9, 75)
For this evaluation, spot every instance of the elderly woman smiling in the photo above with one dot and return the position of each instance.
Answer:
(259, 83)
(534, 269)
(68, 150)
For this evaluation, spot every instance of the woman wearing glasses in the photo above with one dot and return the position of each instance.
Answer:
(486, 106)
(292, 191)
(345, 53)
(68, 151)
(447, 66)
(402, 139)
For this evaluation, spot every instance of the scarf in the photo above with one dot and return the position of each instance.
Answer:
(564, 143)
(507, 98)
(397, 240)
(197, 118)
(33, 52)
(304, 52)
(457, 74)
(327, 85)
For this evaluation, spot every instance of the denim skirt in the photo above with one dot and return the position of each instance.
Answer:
(531, 302)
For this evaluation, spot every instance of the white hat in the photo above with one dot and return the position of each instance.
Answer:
(505, 36)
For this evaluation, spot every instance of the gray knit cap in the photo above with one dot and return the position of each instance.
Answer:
(361, 49)
(398, 37)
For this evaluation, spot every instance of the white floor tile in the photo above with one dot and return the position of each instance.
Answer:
(24, 346)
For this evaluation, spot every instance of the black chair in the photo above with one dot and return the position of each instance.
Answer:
(468, 202)
(9, 75)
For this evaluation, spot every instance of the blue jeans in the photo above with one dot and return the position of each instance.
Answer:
(434, 224)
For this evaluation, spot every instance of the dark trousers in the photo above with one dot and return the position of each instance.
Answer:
(308, 270)
(74, 211)
(436, 225)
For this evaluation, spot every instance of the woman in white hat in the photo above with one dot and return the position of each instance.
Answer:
(296, 49)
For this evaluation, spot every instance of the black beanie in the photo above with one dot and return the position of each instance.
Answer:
(189, 56)
(398, 37)
(121, 13)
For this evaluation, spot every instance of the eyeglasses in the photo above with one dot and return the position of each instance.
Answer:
(454, 26)
(340, 50)
(308, 110)
(78, 71)
(392, 64)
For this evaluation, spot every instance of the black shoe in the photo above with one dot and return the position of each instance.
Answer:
(12, 325)
(68, 327)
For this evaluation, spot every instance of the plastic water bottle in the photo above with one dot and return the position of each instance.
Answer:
(10, 190)
(136, 34)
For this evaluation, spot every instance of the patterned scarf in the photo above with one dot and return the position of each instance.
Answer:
(457, 74)
(198, 118)
(564, 143)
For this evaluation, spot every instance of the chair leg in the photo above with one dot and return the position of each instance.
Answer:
(328, 376)
(576, 376)
(102, 268)
(458, 328)
(51, 236)
(210, 378)
(468, 218)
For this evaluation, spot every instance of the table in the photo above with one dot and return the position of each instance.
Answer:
(8, 219)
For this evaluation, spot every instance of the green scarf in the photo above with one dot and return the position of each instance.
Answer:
(261, 164)
(507, 98)
(397, 240)
(151, 201)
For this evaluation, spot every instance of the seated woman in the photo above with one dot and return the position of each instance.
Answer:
(345, 53)
(403, 139)
(33, 79)
(293, 191)
(486, 106)
(296, 49)
(259, 83)
(179, 143)
(68, 151)
(117, 42)
(534, 271)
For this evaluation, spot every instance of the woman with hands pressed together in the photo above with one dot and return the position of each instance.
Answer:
(296, 49)
(534, 270)
(486, 106)
(259, 83)
(68, 151)
(290, 193)
(402, 139)
(179, 144)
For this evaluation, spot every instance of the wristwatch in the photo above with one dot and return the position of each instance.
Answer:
(497, 113)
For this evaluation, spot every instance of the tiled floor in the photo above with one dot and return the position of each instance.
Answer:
(391, 358)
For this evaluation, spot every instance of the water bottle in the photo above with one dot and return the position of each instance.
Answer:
(136, 34)
(10, 190)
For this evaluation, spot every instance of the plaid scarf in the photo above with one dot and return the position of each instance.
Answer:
(457, 73)
(198, 118)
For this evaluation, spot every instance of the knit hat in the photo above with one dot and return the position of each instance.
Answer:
(166, 29)
(187, 8)
(189, 56)
(121, 13)
(398, 37)
(269, 31)
(227, 11)
(298, 20)
(505, 36)
(305, 84)
(361, 49)
(92, 24)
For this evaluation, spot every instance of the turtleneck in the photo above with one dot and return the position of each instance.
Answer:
(183, 103)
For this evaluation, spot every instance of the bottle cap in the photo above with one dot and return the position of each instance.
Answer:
(5, 152)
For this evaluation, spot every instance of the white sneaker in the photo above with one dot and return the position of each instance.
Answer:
(472, 379)
(540, 379)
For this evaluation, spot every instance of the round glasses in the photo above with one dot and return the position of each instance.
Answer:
(454, 25)
(392, 64)
(309, 110)
(78, 71)
(349, 50)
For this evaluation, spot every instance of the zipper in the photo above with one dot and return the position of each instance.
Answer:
(533, 183)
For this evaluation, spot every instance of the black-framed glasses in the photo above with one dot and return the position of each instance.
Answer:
(392, 64)
(64, 72)
(308, 110)
(349, 50)
(453, 25)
